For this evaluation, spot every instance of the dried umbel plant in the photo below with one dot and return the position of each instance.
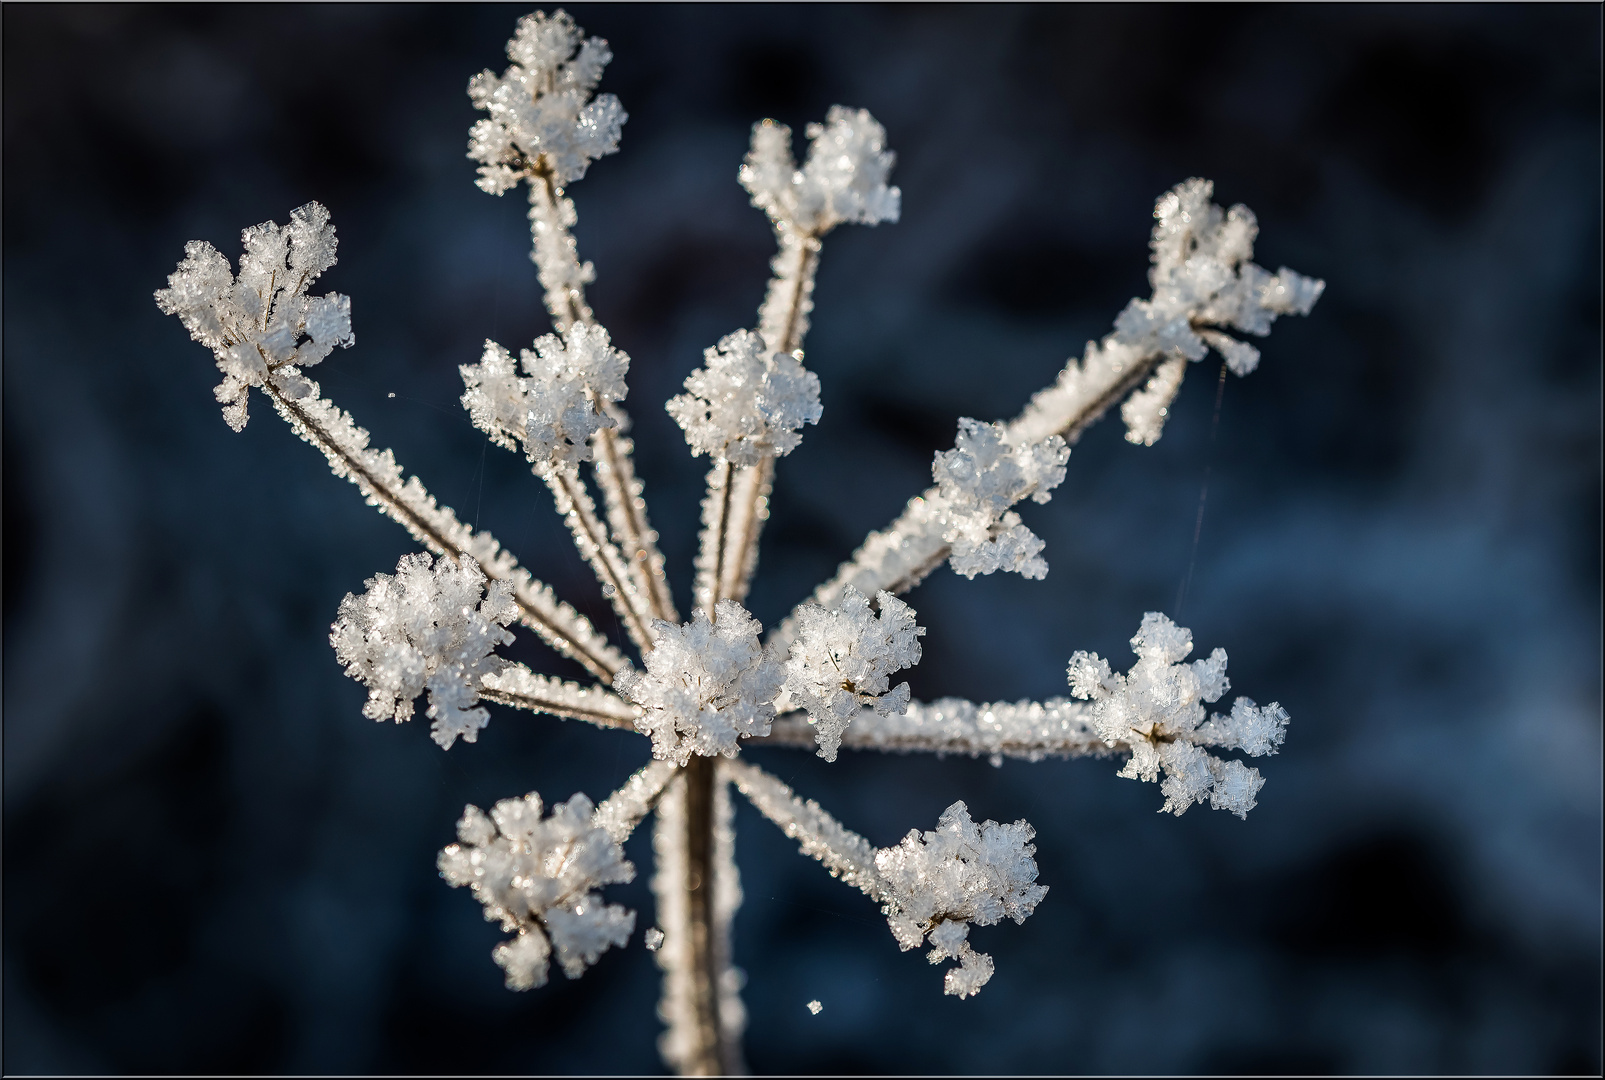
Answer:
(702, 689)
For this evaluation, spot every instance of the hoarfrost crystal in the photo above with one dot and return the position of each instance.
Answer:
(426, 628)
(746, 403)
(841, 658)
(703, 685)
(537, 877)
(961, 873)
(1157, 708)
(707, 683)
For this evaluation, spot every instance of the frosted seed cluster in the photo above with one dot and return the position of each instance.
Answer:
(978, 481)
(1202, 277)
(746, 403)
(559, 403)
(262, 324)
(707, 683)
(426, 628)
(1158, 709)
(840, 660)
(940, 882)
(541, 114)
(843, 180)
(536, 877)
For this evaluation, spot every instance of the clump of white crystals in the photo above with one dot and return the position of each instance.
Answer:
(536, 877)
(426, 628)
(843, 180)
(262, 321)
(541, 116)
(746, 402)
(1157, 708)
(840, 660)
(942, 881)
(707, 683)
(979, 479)
(558, 404)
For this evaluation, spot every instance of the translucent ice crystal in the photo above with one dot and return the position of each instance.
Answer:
(978, 480)
(541, 116)
(707, 683)
(537, 877)
(843, 180)
(1158, 709)
(746, 403)
(841, 658)
(430, 627)
(262, 323)
(558, 404)
(940, 882)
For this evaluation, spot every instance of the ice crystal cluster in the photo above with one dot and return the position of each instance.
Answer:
(702, 689)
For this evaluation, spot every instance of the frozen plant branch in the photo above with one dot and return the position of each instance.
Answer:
(701, 689)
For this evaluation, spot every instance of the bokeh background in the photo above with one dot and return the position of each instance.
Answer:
(213, 862)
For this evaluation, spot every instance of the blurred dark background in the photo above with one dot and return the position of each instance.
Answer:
(213, 862)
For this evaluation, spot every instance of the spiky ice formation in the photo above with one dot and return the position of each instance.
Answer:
(426, 628)
(978, 480)
(939, 882)
(840, 660)
(537, 877)
(262, 322)
(558, 404)
(843, 180)
(1158, 709)
(745, 402)
(707, 683)
(541, 114)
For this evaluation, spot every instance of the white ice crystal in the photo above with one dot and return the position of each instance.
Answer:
(707, 683)
(426, 628)
(843, 180)
(978, 480)
(815, 1007)
(262, 322)
(1157, 708)
(537, 877)
(942, 881)
(541, 115)
(840, 660)
(558, 404)
(746, 402)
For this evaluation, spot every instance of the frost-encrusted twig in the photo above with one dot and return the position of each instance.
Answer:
(1203, 282)
(934, 883)
(1157, 708)
(623, 810)
(536, 877)
(253, 325)
(519, 687)
(1032, 730)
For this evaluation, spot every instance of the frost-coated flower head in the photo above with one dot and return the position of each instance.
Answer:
(746, 403)
(555, 408)
(536, 877)
(540, 110)
(1202, 276)
(961, 873)
(262, 321)
(841, 658)
(426, 628)
(979, 479)
(1158, 709)
(707, 683)
(843, 180)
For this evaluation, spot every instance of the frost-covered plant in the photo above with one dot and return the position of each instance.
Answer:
(704, 688)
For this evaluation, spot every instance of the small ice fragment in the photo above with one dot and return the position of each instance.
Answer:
(814, 1006)
(391, 394)
(654, 939)
(608, 590)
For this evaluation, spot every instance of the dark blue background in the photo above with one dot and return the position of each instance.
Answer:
(212, 861)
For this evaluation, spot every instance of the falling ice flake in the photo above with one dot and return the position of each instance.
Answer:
(814, 1006)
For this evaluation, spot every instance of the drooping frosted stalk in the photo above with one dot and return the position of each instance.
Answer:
(519, 687)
